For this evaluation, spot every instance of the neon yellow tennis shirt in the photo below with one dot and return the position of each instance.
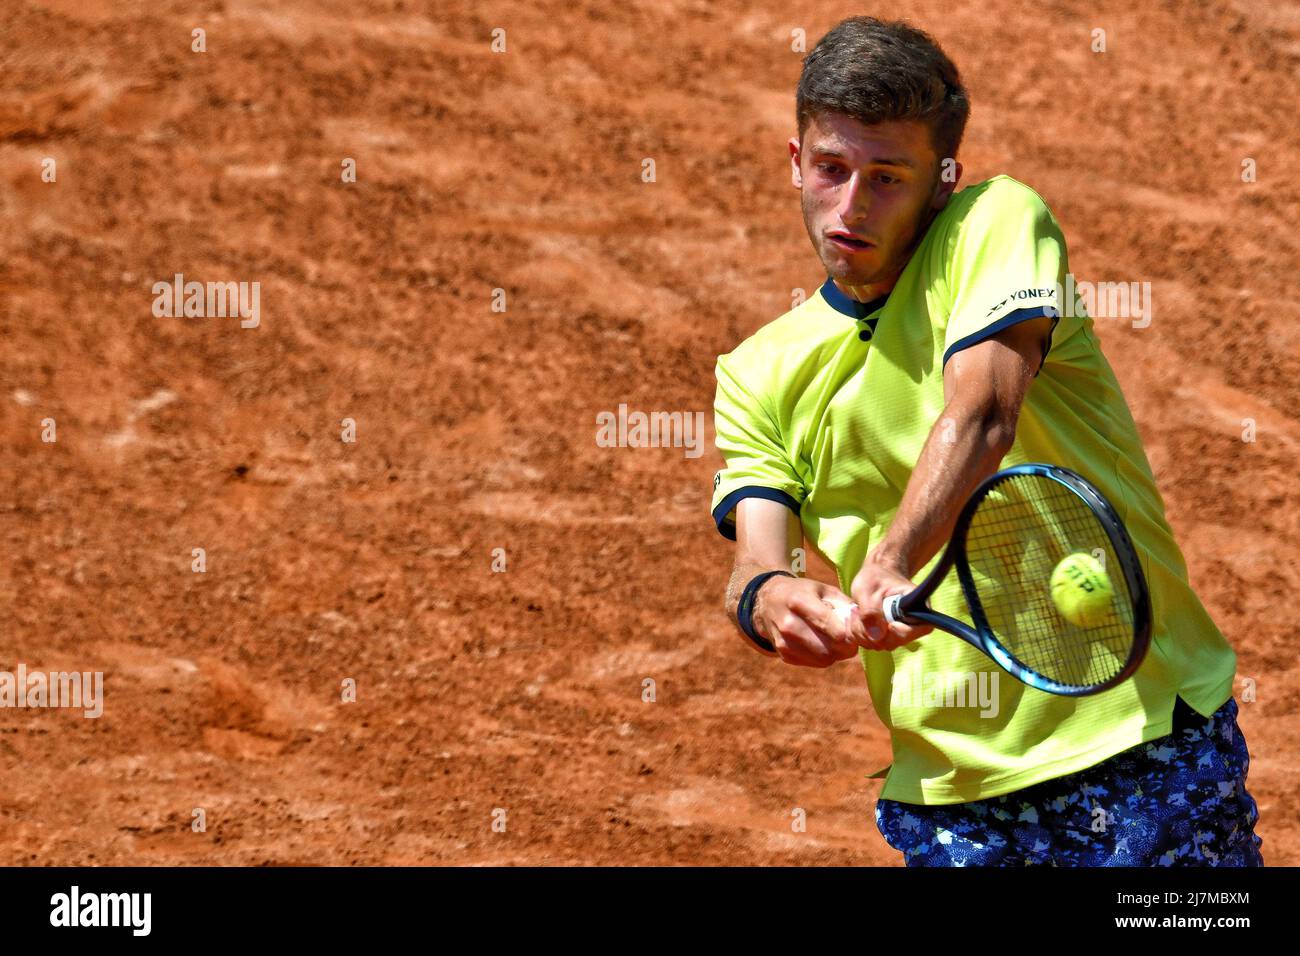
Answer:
(826, 409)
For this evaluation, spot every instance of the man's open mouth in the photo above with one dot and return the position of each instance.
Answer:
(849, 242)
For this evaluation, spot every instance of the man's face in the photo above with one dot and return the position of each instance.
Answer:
(878, 184)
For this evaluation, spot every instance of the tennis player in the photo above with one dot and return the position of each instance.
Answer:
(938, 350)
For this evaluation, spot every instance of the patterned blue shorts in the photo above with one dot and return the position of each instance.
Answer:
(1178, 800)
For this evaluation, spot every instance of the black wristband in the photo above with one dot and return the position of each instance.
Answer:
(745, 609)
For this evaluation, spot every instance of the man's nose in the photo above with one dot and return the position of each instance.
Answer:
(855, 199)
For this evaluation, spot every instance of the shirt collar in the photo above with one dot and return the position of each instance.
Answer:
(847, 305)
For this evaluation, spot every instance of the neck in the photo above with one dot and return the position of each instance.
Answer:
(869, 292)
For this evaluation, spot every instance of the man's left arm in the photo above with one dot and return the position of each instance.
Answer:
(984, 388)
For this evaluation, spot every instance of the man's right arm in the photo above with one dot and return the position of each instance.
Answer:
(791, 613)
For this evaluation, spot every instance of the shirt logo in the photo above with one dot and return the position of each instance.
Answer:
(1021, 296)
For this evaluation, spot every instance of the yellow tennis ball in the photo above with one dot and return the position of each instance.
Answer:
(1081, 590)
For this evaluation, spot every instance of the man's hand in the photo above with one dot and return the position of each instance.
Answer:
(881, 578)
(798, 616)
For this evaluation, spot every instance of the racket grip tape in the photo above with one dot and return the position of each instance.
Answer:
(892, 612)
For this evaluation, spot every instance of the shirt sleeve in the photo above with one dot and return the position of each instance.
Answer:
(1008, 264)
(757, 464)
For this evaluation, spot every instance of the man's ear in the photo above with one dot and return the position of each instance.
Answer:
(949, 176)
(796, 174)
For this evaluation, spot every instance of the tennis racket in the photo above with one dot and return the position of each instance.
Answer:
(1018, 525)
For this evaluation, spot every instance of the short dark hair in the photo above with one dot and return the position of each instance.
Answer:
(874, 71)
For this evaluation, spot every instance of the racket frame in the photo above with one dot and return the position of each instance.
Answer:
(911, 608)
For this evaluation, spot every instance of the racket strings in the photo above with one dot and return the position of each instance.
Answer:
(1018, 534)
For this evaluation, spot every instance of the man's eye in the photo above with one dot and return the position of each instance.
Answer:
(827, 167)
(886, 179)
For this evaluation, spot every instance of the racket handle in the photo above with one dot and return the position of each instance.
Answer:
(892, 613)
